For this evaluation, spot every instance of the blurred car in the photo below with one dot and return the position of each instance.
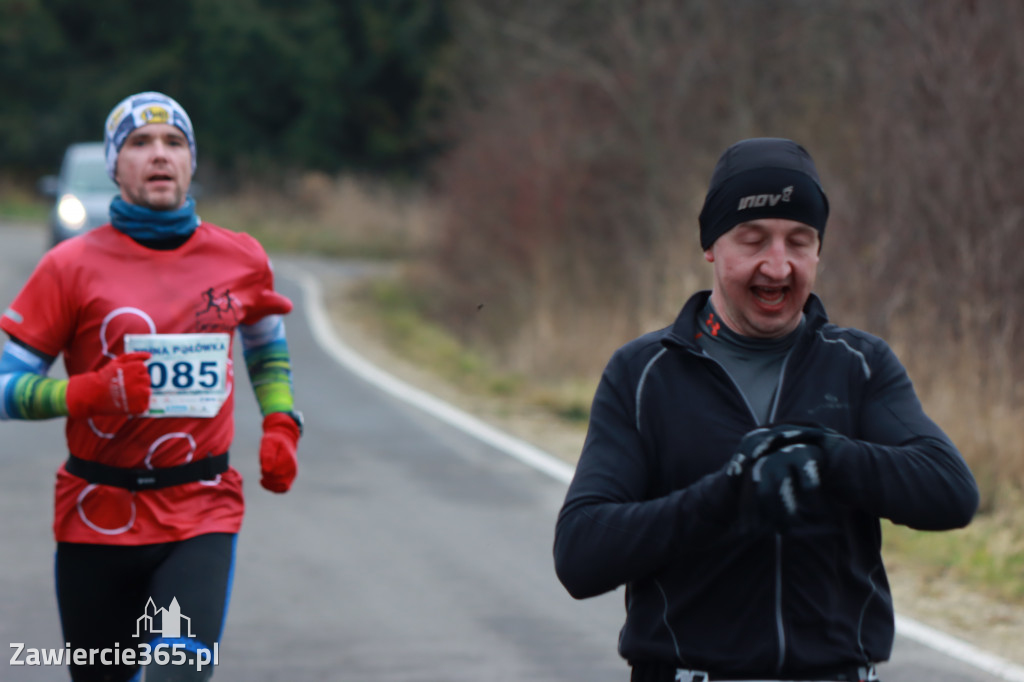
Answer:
(82, 192)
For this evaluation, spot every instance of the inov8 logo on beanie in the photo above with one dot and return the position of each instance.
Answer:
(756, 200)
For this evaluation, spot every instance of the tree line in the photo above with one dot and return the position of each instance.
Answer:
(276, 84)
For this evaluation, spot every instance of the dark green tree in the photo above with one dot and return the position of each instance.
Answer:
(270, 85)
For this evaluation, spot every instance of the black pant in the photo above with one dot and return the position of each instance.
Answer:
(104, 593)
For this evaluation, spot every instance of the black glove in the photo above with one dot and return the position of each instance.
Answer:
(747, 514)
(786, 480)
(782, 467)
(762, 441)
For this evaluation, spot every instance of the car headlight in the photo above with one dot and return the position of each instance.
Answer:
(71, 211)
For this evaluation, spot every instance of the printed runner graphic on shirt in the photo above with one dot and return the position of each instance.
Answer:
(188, 372)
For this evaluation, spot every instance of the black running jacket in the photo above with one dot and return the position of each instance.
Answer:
(649, 506)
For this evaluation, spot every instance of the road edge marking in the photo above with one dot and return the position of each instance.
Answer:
(324, 334)
(959, 649)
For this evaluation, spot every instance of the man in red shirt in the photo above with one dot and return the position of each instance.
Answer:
(144, 310)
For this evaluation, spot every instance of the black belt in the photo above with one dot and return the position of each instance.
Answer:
(147, 479)
(662, 672)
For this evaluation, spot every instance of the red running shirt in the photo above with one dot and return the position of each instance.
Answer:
(83, 297)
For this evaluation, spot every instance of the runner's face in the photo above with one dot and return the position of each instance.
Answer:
(764, 271)
(154, 167)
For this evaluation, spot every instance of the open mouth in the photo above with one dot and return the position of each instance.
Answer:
(770, 296)
(160, 177)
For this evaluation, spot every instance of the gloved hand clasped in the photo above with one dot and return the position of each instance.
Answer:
(278, 462)
(782, 467)
(120, 387)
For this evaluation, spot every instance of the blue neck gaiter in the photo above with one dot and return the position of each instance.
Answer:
(145, 224)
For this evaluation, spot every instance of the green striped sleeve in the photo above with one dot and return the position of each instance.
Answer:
(31, 396)
(270, 371)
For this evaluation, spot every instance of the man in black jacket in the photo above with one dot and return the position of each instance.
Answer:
(737, 463)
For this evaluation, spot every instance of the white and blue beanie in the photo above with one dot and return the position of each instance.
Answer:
(136, 111)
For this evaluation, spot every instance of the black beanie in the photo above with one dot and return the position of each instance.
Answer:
(763, 177)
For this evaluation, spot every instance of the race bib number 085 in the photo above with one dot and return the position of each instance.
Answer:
(187, 372)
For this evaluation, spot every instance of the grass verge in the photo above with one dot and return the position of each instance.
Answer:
(394, 313)
(17, 203)
(988, 555)
(344, 217)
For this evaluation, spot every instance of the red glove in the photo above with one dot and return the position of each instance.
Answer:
(278, 462)
(269, 302)
(119, 387)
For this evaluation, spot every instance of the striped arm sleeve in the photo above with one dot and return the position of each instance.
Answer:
(25, 390)
(269, 364)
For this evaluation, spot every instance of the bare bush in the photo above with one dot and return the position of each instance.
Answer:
(941, 215)
(573, 193)
(588, 132)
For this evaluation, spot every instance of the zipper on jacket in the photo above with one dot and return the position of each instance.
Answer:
(779, 623)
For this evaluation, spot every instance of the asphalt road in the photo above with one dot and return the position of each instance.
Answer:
(406, 551)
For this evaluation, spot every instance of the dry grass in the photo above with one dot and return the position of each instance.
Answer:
(965, 392)
(344, 216)
(988, 555)
(18, 201)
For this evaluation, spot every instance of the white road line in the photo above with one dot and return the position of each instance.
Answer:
(323, 332)
(959, 649)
